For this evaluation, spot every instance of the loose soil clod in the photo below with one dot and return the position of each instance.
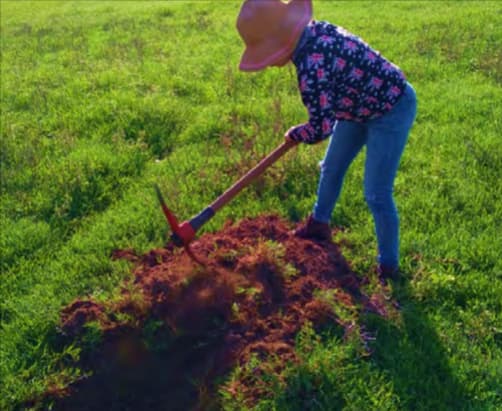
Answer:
(181, 323)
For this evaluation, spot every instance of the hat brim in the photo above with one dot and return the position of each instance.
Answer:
(257, 57)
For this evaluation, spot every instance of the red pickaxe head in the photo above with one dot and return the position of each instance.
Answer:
(182, 234)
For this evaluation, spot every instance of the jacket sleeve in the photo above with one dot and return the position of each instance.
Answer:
(315, 83)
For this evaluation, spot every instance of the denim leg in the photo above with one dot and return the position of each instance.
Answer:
(346, 141)
(387, 138)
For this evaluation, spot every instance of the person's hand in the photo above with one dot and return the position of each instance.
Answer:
(288, 138)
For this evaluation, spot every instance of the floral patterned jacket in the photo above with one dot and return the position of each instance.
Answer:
(341, 78)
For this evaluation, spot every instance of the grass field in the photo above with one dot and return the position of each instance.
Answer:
(99, 100)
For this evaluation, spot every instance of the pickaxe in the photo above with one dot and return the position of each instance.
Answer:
(184, 233)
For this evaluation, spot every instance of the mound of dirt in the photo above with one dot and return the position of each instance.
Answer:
(179, 326)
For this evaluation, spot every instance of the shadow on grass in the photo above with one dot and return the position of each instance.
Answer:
(413, 356)
(156, 381)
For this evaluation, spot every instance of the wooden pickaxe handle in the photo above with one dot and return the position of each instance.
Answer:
(205, 215)
(247, 178)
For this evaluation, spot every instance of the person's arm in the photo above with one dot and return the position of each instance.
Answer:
(317, 96)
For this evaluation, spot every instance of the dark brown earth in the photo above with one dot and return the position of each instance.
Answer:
(179, 328)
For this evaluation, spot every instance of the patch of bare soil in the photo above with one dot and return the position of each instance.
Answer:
(178, 327)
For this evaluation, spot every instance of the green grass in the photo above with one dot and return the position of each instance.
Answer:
(99, 100)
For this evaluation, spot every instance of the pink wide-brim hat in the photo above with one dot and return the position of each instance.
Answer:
(270, 30)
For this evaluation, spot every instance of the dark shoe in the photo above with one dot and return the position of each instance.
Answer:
(388, 273)
(313, 230)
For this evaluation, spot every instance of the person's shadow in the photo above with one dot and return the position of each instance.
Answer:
(413, 355)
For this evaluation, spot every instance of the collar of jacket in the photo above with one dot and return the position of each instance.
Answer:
(307, 35)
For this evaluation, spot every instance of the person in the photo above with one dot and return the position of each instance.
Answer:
(353, 95)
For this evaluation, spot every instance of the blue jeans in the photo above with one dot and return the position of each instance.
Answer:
(385, 139)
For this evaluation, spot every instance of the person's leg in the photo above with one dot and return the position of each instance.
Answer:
(346, 141)
(387, 137)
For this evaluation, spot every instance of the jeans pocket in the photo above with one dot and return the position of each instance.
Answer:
(404, 111)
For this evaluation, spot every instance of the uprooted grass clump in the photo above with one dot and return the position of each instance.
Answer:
(177, 329)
